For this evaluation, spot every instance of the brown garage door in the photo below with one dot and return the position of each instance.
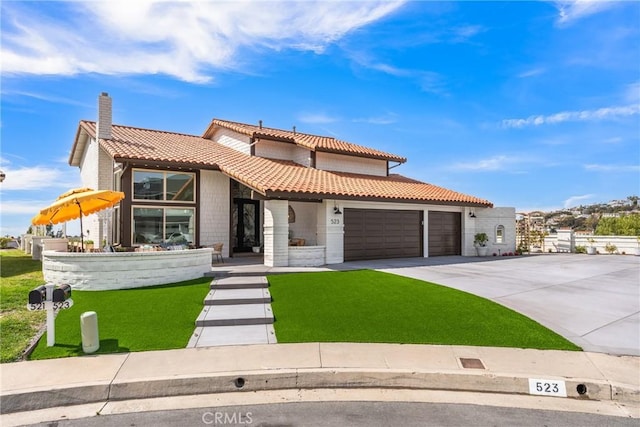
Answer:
(376, 234)
(444, 233)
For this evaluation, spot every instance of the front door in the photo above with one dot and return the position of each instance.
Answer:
(246, 218)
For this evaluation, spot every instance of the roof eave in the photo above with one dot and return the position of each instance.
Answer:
(305, 195)
(79, 145)
(363, 155)
(168, 164)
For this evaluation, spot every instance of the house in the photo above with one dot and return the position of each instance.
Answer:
(303, 199)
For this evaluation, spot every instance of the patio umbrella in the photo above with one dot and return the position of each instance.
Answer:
(75, 203)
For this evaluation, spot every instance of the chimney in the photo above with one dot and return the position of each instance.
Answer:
(103, 129)
(260, 123)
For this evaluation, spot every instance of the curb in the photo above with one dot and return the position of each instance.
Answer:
(283, 379)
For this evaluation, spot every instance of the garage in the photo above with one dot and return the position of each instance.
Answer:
(377, 234)
(445, 233)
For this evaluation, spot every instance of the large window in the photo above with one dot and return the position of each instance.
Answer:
(156, 225)
(164, 186)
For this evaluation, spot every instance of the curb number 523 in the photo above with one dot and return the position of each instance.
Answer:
(547, 387)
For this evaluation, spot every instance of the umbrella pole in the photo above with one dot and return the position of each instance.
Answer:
(81, 230)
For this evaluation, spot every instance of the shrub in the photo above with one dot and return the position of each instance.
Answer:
(610, 248)
(4, 241)
(581, 249)
(481, 239)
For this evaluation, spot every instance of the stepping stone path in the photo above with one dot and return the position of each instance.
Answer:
(236, 311)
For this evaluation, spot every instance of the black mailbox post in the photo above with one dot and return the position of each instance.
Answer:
(38, 295)
(50, 298)
(62, 293)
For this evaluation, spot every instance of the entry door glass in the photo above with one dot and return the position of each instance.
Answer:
(247, 224)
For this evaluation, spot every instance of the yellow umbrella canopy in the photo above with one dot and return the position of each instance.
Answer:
(75, 203)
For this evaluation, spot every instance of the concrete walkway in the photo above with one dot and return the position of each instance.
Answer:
(593, 301)
(236, 311)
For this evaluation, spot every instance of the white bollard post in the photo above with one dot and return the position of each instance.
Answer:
(51, 316)
(89, 332)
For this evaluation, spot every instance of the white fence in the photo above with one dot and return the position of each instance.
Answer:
(567, 241)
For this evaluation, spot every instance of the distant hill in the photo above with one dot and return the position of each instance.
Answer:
(587, 217)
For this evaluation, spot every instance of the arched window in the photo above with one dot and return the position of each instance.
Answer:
(500, 234)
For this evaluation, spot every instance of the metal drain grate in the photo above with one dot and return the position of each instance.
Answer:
(471, 363)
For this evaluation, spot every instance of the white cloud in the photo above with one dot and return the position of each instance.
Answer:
(428, 81)
(612, 140)
(570, 11)
(495, 163)
(612, 168)
(574, 116)
(39, 178)
(27, 207)
(463, 33)
(532, 72)
(386, 119)
(316, 118)
(140, 37)
(572, 201)
(46, 98)
(632, 93)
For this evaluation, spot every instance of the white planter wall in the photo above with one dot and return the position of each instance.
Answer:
(123, 270)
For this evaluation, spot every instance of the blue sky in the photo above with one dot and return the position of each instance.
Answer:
(534, 105)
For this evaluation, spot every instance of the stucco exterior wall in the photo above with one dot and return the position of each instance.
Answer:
(305, 226)
(351, 164)
(276, 233)
(331, 232)
(96, 172)
(214, 217)
(283, 151)
(233, 140)
(486, 221)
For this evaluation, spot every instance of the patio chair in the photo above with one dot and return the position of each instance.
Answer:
(217, 252)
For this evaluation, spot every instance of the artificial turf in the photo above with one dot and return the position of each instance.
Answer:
(371, 306)
(152, 318)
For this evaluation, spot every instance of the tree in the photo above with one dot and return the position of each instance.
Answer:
(626, 225)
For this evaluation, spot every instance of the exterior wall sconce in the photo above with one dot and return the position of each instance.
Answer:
(472, 215)
(336, 210)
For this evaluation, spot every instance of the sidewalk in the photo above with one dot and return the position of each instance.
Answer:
(27, 386)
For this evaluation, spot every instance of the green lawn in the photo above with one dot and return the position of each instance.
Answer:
(154, 318)
(18, 275)
(370, 306)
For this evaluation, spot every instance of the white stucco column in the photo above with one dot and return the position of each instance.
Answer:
(331, 232)
(276, 233)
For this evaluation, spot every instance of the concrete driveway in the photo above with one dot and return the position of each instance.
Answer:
(594, 301)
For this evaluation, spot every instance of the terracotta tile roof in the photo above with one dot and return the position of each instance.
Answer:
(154, 145)
(271, 178)
(312, 142)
